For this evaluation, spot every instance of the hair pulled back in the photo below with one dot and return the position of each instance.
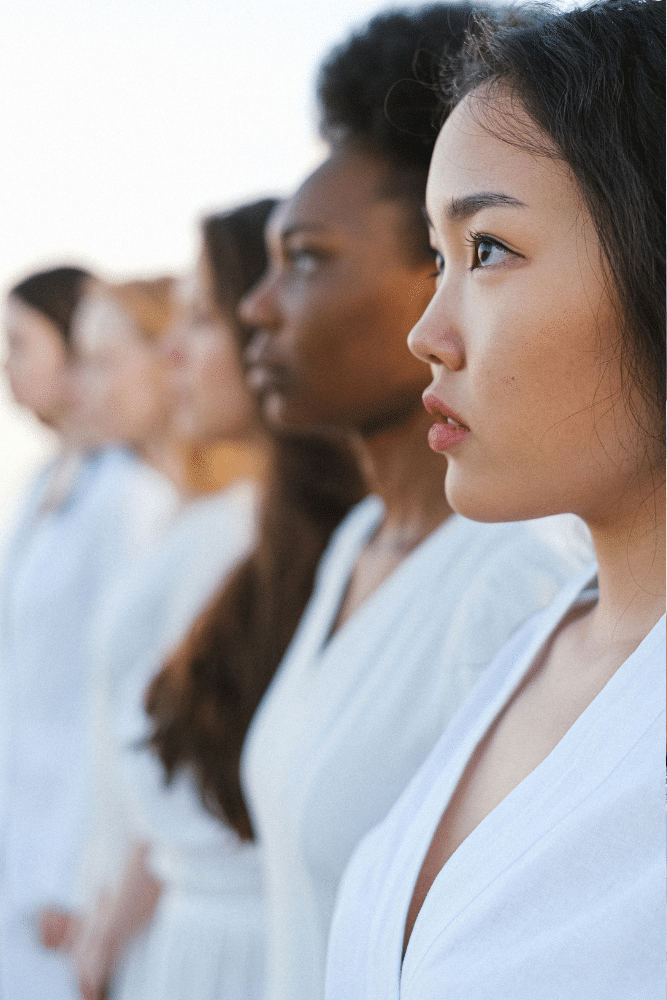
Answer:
(54, 293)
(592, 80)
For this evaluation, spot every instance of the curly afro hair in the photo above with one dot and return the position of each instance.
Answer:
(380, 86)
(379, 91)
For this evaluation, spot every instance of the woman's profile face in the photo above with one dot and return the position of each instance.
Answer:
(335, 306)
(521, 335)
(211, 400)
(37, 364)
(121, 381)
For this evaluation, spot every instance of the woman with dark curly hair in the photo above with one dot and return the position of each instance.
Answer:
(411, 600)
(526, 859)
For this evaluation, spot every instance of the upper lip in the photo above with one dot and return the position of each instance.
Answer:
(259, 356)
(260, 353)
(438, 409)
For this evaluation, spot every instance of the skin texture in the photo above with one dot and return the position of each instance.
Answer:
(211, 400)
(334, 308)
(522, 341)
(37, 363)
(122, 375)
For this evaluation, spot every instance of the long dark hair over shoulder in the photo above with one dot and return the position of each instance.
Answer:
(203, 699)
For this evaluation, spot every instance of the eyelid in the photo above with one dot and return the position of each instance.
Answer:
(302, 246)
(474, 239)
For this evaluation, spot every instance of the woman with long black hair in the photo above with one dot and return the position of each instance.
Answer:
(526, 859)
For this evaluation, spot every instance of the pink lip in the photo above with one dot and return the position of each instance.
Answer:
(443, 434)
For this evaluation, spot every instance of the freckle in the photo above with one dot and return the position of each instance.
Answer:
(418, 288)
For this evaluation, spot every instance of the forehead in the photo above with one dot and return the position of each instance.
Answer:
(340, 194)
(490, 145)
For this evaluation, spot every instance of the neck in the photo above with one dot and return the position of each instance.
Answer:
(409, 478)
(630, 550)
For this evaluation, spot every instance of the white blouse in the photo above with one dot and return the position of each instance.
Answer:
(206, 937)
(62, 559)
(558, 893)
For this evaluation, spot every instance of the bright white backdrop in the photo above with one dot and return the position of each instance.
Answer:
(123, 120)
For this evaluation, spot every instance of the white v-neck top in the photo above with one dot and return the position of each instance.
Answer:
(558, 894)
(349, 718)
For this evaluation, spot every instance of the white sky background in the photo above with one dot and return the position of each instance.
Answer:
(122, 121)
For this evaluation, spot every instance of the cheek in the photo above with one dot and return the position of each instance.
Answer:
(47, 368)
(532, 364)
(326, 323)
(220, 368)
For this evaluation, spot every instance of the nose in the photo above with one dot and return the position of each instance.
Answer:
(258, 307)
(435, 339)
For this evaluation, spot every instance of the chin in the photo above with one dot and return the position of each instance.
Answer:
(493, 503)
(273, 409)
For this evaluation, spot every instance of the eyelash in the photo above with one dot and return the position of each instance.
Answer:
(475, 240)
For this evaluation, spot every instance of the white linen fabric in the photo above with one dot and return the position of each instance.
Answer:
(349, 717)
(559, 892)
(205, 938)
(62, 557)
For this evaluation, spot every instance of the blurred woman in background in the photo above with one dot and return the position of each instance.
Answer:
(123, 373)
(184, 915)
(121, 334)
(80, 522)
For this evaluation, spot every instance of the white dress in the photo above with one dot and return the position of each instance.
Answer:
(558, 894)
(349, 718)
(206, 936)
(59, 563)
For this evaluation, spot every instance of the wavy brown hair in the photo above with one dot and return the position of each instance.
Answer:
(203, 699)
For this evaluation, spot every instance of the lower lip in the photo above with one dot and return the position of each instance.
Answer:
(443, 436)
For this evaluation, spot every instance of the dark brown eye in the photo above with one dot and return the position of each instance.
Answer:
(488, 252)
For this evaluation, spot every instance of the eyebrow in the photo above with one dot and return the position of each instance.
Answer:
(300, 227)
(461, 209)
